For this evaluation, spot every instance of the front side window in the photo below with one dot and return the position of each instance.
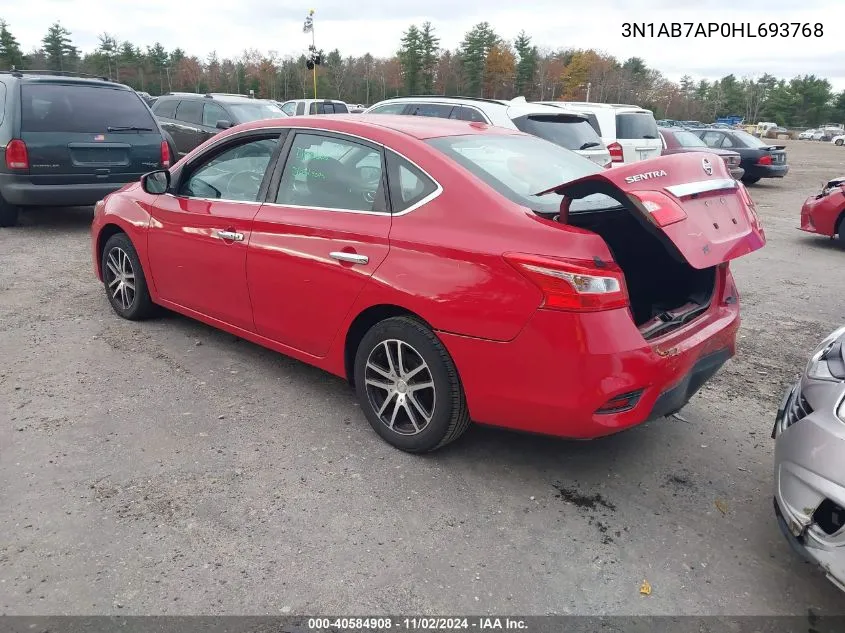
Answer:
(289, 108)
(254, 111)
(408, 184)
(388, 108)
(81, 108)
(212, 113)
(189, 111)
(234, 174)
(166, 108)
(332, 173)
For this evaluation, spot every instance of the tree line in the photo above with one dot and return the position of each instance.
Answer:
(483, 65)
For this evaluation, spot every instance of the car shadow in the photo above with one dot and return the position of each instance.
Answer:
(61, 218)
(823, 242)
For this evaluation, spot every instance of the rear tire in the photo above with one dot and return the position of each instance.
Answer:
(124, 280)
(839, 141)
(9, 214)
(750, 180)
(408, 386)
(840, 231)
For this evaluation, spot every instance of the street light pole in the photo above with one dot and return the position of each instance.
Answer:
(589, 85)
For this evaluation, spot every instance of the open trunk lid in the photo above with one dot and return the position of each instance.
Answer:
(691, 198)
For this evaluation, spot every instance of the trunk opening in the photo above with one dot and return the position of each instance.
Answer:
(664, 290)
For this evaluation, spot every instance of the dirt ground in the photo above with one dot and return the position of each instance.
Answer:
(166, 467)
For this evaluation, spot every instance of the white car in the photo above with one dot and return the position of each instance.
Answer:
(566, 129)
(629, 132)
(807, 135)
(838, 140)
(296, 107)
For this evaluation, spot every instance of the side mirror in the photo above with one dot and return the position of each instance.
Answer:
(223, 124)
(156, 182)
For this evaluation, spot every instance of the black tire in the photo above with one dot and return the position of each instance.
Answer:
(839, 141)
(9, 214)
(445, 403)
(840, 230)
(119, 255)
(750, 180)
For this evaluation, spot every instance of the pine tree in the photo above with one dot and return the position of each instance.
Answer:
(429, 53)
(410, 58)
(10, 50)
(526, 67)
(58, 48)
(474, 49)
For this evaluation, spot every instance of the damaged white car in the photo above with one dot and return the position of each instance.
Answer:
(810, 460)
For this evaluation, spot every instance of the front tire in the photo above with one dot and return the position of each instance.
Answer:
(9, 214)
(839, 141)
(840, 237)
(409, 387)
(124, 280)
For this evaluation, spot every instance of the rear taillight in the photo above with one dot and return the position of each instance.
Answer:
(765, 160)
(16, 155)
(660, 208)
(575, 285)
(616, 154)
(165, 154)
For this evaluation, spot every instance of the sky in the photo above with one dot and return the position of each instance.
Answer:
(359, 26)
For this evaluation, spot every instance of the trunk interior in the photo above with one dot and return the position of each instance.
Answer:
(664, 290)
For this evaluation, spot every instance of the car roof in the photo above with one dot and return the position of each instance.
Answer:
(515, 107)
(58, 77)
(418, 127)
(212, 96)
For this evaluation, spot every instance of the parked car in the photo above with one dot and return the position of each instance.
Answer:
(763, 128)
(517, 284)
(677, 141)
(807, 135)
(296, 107)
(838, 140)
(567, 129)
(809, 485)
(628, 131)
(824, 213)
(758, 158)
(147, 97)
(68, 140)
(191, 119)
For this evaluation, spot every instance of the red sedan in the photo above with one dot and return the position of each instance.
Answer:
(825, 213)
(451, 271)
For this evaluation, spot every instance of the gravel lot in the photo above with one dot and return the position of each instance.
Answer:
(166, 467)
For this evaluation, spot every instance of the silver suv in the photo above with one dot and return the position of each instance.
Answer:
(567, 129)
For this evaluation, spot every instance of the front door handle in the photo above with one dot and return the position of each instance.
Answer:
(352, 258)
(232, 236)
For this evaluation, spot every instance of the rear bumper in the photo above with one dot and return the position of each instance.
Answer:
(766, 171)
(18, 189)
(564, 366)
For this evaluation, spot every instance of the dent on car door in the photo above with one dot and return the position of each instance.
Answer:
(318, 240)
(198, 237)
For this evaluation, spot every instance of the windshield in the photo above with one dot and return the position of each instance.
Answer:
(519, 166)
(246, 112)
(570, 132)
(81, 108)
(688, 139)
(749, 139)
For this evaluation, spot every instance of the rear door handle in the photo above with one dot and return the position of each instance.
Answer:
(352, 258)
(229, 235)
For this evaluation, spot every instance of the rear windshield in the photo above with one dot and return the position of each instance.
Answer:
(520, 166)
(246, 112)
(81, 108)
(636, 125)
(688, 139)
(749, 139)
(328, 108)
(569, 132)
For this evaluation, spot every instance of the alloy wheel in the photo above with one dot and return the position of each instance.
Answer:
(400, 387)
(120, 278)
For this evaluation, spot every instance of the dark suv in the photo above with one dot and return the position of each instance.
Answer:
(69, 140)
(191, 119)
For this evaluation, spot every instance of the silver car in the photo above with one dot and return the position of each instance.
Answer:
(810, 460)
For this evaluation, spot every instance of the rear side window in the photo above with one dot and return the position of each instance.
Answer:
(2, 101)
(636, 125)
(327, 108)
(438, 110)
(465, 113)
(408, 184)
(569, 132)
(81, 108)
(389, 108)
(189, 111)
(166, 108)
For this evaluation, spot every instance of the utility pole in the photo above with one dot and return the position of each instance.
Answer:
(315, 56)
(589, 85)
